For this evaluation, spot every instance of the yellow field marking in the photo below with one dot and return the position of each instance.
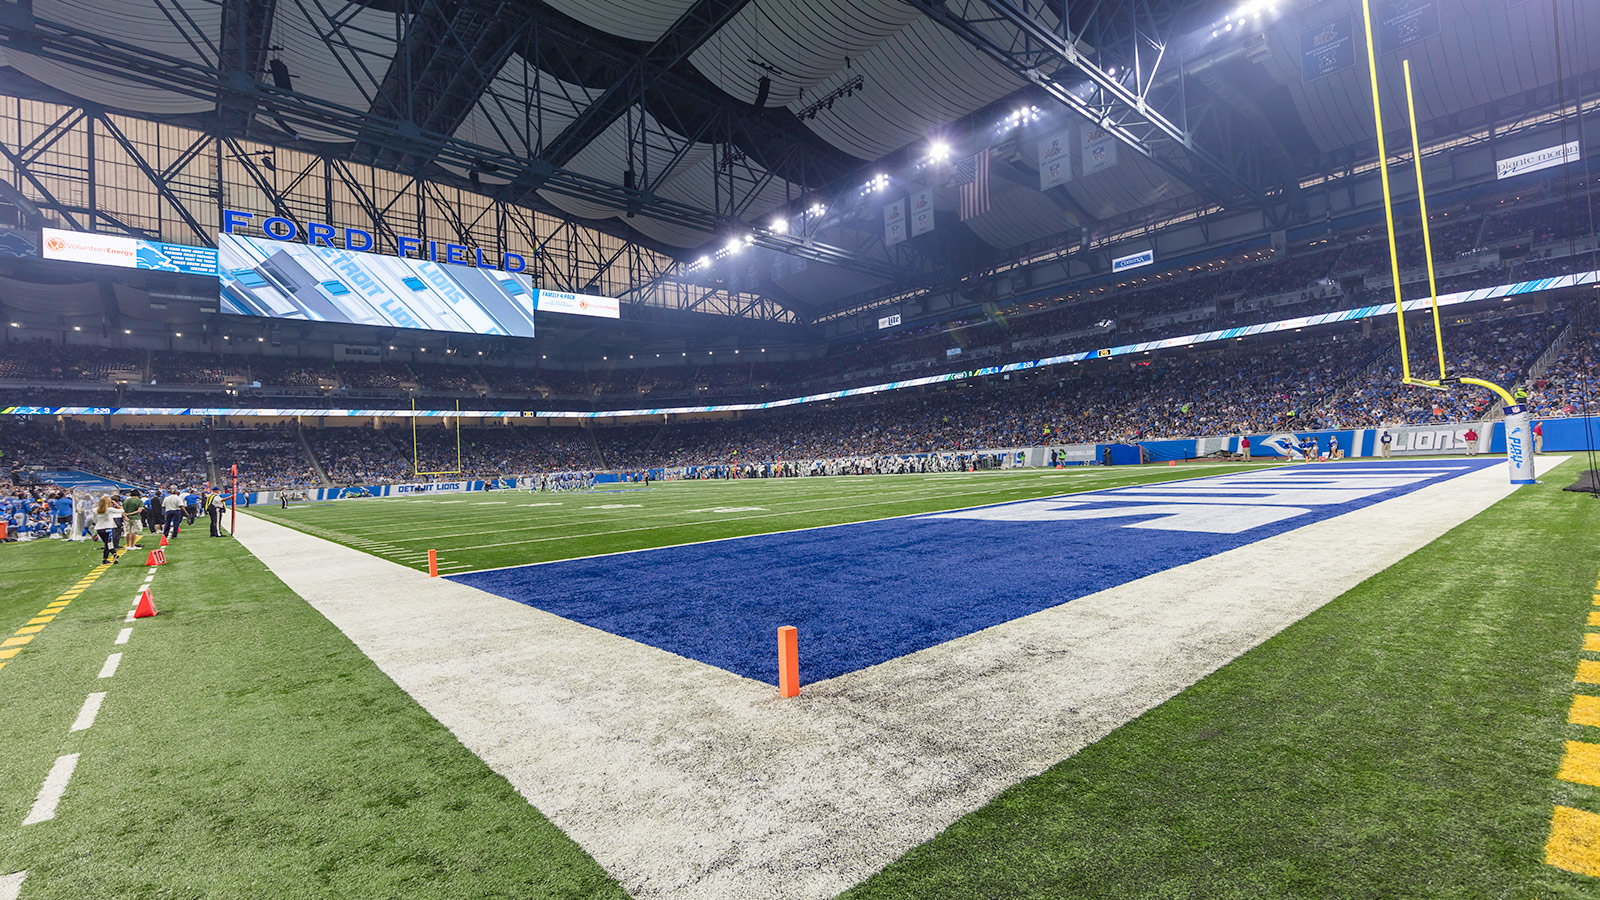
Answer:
(16, 641)
(1574, 841)
(7, 654)
(30, 629)
(57, 604)
(71, 595)
(1588, 671)
(1594, 618)
(1585, 710)
(1581, 765)
(1591, 642)
(41, 620)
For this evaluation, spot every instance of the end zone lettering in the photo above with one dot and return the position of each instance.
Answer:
(317, 234)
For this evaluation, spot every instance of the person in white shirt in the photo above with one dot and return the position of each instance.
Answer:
(105, 526)
(172, 509)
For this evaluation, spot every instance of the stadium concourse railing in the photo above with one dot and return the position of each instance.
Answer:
(1503, 292)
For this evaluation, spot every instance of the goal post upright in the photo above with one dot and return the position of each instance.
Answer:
(1427, 238)
(1388, 197)
(1518, 430)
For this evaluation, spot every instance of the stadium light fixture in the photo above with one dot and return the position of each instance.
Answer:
(16, 324)
(779, 226)
(77, 328)
(734, 246)
(939, 152)
(127, 331)
(177, 334)
(261, 340)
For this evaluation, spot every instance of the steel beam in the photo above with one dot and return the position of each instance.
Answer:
(1129, 105)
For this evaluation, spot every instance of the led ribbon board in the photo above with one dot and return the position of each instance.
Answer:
(1504, 291)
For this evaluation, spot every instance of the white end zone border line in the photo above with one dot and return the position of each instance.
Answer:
(684, 780)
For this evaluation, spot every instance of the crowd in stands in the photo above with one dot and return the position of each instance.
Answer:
(1499, 350)
(1288, 385)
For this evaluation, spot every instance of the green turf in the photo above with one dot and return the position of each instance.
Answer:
(481, 531)
(246, 749)
(1400, 742)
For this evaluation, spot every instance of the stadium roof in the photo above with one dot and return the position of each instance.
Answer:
(751, 109)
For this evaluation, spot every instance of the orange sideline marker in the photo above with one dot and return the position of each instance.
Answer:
(158, 557)
(433, 564)
(146, 607)
(788, 661)
(163, 541)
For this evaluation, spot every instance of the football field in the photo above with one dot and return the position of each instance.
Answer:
(488, 530)
(1351, 680)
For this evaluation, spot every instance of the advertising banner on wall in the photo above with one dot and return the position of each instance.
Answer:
(284, 280)
(126, 252)
(578, 304)
(1548, 158)
(1133, 260)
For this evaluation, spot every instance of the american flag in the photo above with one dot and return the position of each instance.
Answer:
(972, 181)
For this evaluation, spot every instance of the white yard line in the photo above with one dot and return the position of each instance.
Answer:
(686, 781)
(123, 635)
(110, 668)
(11, 885)
(91, 708)
(129, 617)
(55, 784)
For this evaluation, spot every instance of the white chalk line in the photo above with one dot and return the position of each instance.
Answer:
(91, 708)
(11, 885)
(123, 635)
(55, 784)
(110, 668)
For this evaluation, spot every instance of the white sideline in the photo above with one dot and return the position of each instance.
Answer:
(11, 885)
(686, 781)
(91, 709)
(110, 668)
(55, 784)
(124, 634)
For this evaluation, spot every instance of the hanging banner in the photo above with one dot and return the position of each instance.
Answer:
(1055, 163)
(1548, 158)
(889, 321)
(1402, 23)
(894, 223)
(1099, 150)
(922, 212)
(1327, 49)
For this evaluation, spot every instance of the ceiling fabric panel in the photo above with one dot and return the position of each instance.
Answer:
(345, 69)
(636, 20)
(139, 22)
(1484, 52)
(915, 81)
(802, 41)
(693, 178)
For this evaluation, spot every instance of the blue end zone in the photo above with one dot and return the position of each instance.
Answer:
(867, 593)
